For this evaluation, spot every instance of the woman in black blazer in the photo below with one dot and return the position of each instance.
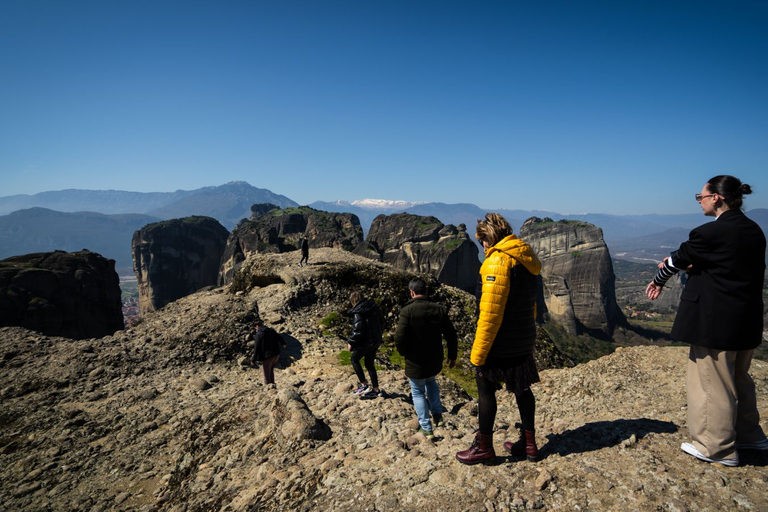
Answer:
(721, 317)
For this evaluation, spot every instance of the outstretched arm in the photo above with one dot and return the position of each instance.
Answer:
(666, 270)
(653, 290)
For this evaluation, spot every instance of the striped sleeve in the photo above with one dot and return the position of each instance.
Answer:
(665, 272)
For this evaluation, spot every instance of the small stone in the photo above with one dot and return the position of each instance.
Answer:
(200, 384)
(542, 480)
(97, 372)
(148, 394)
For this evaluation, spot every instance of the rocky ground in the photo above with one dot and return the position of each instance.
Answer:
(163, 416)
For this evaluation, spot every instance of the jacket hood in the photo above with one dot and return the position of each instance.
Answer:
(519, 251)
(364, 306)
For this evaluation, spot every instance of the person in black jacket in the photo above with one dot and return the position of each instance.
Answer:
(419, 339)
(721, 317)
(304, 251)
(266, 350)
(364, 342)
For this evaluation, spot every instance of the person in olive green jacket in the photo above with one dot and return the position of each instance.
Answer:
(419, 339)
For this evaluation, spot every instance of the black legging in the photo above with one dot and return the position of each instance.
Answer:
(370, 357)
(486, 390)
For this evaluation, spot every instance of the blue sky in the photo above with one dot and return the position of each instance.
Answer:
(570, 106)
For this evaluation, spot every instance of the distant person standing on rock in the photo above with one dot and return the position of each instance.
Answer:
(304, 251)
(502, 351)
(364, 342)
(266, 350)
(721, 317)
(419, 339)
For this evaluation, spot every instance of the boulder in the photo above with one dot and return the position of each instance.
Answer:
(174, 258)
(75, 295)
(274, 230)
(292, 420)
(577, 275)
(422, 244)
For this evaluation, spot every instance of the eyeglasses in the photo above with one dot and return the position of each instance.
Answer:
(699, 197)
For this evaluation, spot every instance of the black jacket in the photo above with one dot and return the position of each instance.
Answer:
(419, 337)
(267, 345)
(721, 306)
(516, 336)
(366, 325)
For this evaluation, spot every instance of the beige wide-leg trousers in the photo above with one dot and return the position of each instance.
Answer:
(722, 405)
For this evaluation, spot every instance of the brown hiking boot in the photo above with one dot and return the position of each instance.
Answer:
(481, 451)
(525, 446)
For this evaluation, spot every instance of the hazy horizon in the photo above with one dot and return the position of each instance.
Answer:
(408, 204)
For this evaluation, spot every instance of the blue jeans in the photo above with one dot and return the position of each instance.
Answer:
(426, 399)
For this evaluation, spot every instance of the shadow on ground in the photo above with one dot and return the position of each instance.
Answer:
(603, 434)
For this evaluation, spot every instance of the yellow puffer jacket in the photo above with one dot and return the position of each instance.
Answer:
(495, 275)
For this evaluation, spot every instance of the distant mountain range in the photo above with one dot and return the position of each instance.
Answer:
(43, 230)
(639, 238)
(226, 203)
(103, 221)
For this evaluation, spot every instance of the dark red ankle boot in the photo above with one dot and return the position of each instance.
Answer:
(480, 451)
(525, 446)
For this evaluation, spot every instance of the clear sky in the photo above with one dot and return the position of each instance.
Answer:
(619, 107)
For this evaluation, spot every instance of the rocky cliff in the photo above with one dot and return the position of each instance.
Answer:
(577, 275)
(76, 295)
(424, 245)
(274, 230)
(174, 258)
(162, 417)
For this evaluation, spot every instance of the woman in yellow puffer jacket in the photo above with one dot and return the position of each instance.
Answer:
(506, 334)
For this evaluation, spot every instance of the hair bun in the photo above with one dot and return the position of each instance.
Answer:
(746, 189)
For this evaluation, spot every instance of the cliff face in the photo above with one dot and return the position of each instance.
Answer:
(76, 295)
(424, 245)
(274, 230)
(174, 258)
(577, 274)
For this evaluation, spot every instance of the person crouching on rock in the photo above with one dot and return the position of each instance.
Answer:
(266, 350)
(364, 342)
(502, 351)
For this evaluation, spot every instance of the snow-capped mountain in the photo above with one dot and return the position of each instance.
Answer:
(383, 204)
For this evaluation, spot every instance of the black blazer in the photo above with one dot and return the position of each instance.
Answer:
(721, 306)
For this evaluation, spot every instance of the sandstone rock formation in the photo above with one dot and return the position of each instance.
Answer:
(577, 275)
(161, 417)
(425, 245)
(274, 230)
(174, 258)
(76, 295)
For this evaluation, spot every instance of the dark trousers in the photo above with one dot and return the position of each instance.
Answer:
(369, 354)
(486, 399)
(268, 368)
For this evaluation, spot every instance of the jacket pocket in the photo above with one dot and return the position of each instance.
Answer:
(689, 295)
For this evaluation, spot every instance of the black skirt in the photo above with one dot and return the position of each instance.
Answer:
(518, 373)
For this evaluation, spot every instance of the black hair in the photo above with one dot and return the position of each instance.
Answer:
(730, 188)
(418, 286)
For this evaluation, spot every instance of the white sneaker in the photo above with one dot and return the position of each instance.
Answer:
(361, 389)
(755, 445)
(691, 450)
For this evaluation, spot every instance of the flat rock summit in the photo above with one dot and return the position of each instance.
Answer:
(163, 417)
